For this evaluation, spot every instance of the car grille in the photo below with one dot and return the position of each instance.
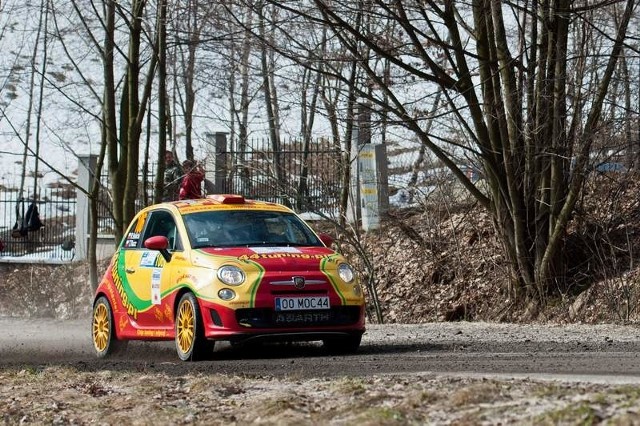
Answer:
(268, 318)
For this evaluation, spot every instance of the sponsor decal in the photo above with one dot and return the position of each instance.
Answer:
(148, 259)
(156, 275)
(198, 206)
(270, 250)
(140, 223)
(281, 255)
(187, 277)
(117, 281)
(158, 314)
(302, 317)
(151, 333)
(112, 296)
(160, 262)
(124, 321)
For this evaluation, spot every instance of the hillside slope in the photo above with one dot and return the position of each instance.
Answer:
(447, 264)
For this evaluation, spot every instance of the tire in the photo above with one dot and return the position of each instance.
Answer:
(342, 345)
(191, 344)
(105, 341)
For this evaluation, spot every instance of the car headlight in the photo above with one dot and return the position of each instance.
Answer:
(231, 275)
(346, 272)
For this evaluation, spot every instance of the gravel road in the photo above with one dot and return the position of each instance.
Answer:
(445, 373)
(603, 353)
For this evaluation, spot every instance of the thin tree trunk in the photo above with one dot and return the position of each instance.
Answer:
(43, 71)
(109, 114)
(161, 52)
(270, 103)
(307, 132)
(243, 122)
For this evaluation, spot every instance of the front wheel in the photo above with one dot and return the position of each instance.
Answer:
(103, 333)
(191, 344)
(343, 345)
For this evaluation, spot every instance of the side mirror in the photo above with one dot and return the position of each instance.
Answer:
(326, 239)
(159, 243)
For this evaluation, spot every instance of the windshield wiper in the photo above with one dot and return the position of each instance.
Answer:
(201, 246)
(272, 244)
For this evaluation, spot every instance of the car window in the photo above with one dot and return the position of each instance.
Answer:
(247, 228)
(161, 222)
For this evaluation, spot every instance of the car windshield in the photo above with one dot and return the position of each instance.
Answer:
(248, 228)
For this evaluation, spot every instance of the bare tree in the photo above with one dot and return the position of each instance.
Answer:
(188, 28)
(243, 120)
(505, 85)
(269, 87)
(162, 98)
(123, 126)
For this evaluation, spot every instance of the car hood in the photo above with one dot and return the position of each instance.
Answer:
(280, 258)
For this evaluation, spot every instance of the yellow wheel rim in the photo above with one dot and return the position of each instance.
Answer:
(101, 327)
(185, 327)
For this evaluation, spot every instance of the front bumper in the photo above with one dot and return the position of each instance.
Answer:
(222, 323)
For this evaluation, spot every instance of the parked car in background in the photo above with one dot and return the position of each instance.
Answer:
(226, 268)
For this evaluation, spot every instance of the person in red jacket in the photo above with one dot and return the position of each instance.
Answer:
(191, 186)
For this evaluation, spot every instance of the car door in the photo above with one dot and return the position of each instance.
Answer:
(149, 276)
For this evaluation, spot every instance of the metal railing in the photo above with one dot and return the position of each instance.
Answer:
(105, 205)
(54, 240)
(305, 178)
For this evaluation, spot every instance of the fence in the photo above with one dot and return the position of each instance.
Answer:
(105, 205)
(307, 178)
(54, 241)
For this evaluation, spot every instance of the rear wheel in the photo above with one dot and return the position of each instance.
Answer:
(191, 344)
(343, 344)
(103, 333)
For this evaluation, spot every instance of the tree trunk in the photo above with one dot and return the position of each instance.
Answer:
(243, 121)
(311, 83)
(123, 152)
(271, 103)
(161, 52)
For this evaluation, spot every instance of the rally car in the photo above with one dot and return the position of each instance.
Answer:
(225, 268)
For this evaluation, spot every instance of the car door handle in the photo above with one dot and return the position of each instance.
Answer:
(130, 270)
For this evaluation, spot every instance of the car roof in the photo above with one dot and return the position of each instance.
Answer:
(222, 202)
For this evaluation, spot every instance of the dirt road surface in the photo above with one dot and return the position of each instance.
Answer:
(592, 353)
(445, 373)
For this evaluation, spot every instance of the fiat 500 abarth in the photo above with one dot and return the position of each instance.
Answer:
(225, 268)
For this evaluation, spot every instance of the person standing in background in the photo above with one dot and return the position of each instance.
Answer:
(191, 186)
(172, 177)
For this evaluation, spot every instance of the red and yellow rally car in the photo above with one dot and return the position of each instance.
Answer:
(225, 268)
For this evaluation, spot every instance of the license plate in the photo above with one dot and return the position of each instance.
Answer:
(302, 303)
